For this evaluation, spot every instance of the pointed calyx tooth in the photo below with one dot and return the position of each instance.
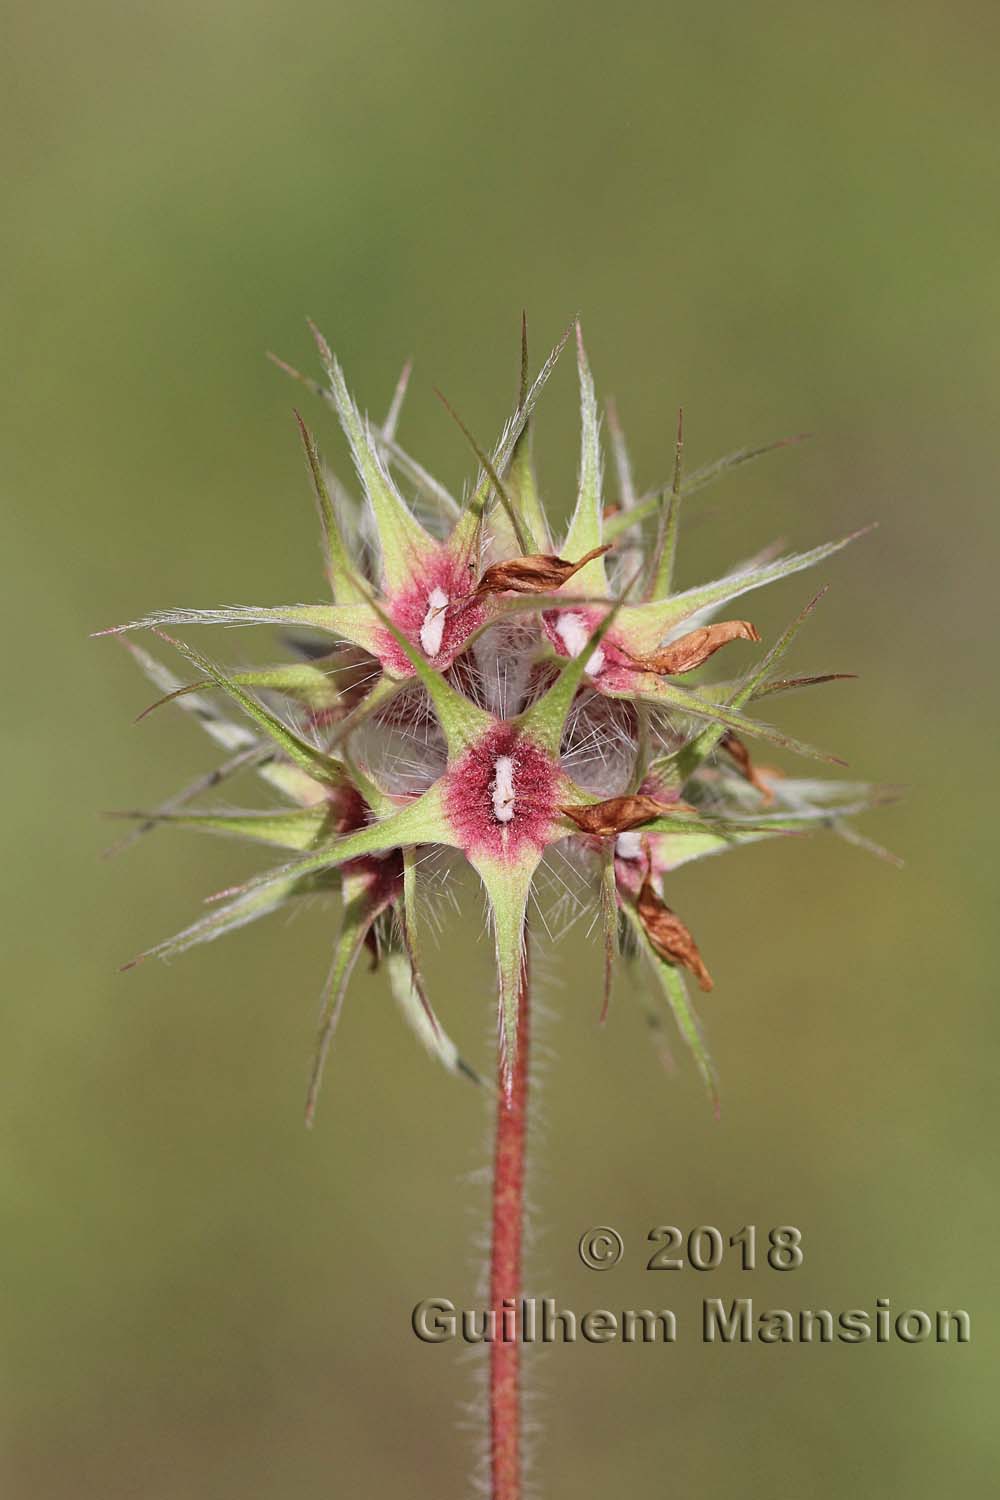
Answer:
(619, 814)
(502, 788)
(787, 684)
(696, 647)
(668, 935)
(432, 629)
(538, 573)
(740, 756)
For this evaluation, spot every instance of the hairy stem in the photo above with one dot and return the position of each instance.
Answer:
(505, 1264)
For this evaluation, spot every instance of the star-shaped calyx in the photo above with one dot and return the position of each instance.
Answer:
(439, 594)
(501, 800)
(665, 635)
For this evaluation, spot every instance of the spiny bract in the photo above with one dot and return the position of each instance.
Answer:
(471, 689)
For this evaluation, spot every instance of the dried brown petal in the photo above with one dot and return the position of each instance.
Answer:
(696, 647)
(619, 814)
(758, 776)
(668, 935)
(536, 574)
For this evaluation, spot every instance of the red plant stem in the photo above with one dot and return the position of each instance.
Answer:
(505, 1264)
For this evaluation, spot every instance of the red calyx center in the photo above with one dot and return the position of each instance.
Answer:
(436, 611)
(502, 795)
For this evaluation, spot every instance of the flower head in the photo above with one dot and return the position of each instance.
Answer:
(474, 688)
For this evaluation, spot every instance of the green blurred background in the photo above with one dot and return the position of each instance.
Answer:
(783, 216)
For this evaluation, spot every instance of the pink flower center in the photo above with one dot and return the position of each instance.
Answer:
(436, 611)
(569, 630)
(502, 795)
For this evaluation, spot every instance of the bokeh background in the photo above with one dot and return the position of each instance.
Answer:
(783, 216)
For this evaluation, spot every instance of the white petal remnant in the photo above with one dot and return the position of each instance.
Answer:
(432, 630)
(573, 631)
(502, 789)
(628, 845)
